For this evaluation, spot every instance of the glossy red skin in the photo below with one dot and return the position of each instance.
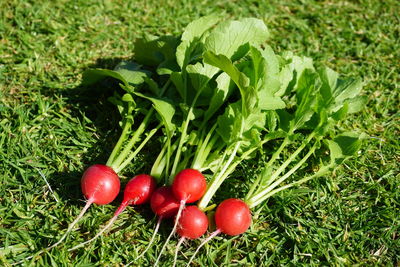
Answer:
(139, 189)
(163, 202)
(233, 217)
(189, 185)
(100, 184)
(193, 223)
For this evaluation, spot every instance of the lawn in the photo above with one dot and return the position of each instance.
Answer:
(52, 128)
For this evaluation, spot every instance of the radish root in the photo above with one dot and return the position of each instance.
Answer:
(97, 235)
(87, 205)
(178, 215)
(215, 233)
(152, 237)
(177, 250)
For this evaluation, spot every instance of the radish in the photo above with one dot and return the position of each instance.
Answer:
(192, 224)
(232, 217)
(137, 191)
(163, 202)
(189, 185)
(100, 185)
(164, 205)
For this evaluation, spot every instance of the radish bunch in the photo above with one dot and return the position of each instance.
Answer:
(221, 97)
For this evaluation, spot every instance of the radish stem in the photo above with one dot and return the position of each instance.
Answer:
(135, 138)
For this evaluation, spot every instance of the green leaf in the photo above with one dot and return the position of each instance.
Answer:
(191, 37)
(293, 70)
(343, 146)
(329, 78)
(341, 113)
(225, 64)
(132, 72)
(153, 86)
(347, 89)
(200, 74)
(167, 67)
(285, 119)
(233, 126)
(124, 104)
(229, 123)
(231, 38)
(305, 98)
(264, 77)
(165, 109)
(177, 80)
(220, 95)
(129, 73)
(127, 98)
(151, 50)
(248, 93)
(356, 104)
(92, 76)
(338, 92)
(271, 120)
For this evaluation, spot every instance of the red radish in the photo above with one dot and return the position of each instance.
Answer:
(163, 202)
(189, 185)
(164, 205)
(232, 217)
(137, 191)
(100, 184)
(192, 224)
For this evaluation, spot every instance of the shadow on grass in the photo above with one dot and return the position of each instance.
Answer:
(89, 102)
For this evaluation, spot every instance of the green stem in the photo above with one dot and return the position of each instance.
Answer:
(168, 160)
(228, 171)
(203, 151)
(183, 135)
(283, 166)
(159, 166)
(122, 156)
(159, 163)
(321, 172)
(291, 158)
(138, 149)
(121, 140)
(255, 185)
(276, 154)
(217, 180)
(165, 87)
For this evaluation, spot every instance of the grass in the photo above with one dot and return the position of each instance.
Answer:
(50, 125)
